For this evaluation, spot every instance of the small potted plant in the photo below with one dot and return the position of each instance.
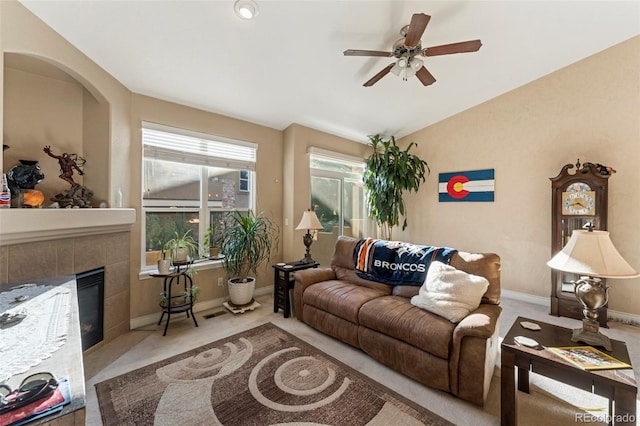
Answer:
(164, 264)
(182, 247)
(190, 296)
(247, 241)
(211, 240)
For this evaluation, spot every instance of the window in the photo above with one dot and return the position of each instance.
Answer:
(190, 180)
(244, 181)
(337, 196)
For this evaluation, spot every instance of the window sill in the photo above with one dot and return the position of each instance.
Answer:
(200, 266)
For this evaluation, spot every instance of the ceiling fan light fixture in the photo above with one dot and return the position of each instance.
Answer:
(246, 9)
(416, 64)
(404, 67)
(396, 70)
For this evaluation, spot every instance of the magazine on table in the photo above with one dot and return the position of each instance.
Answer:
(588, 358)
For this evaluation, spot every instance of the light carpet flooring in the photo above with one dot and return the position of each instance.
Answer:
(145, 345)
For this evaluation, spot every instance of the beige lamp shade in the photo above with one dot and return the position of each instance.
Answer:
(309, 221)
(592, 253)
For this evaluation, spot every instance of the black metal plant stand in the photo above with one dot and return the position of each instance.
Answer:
(183, 302)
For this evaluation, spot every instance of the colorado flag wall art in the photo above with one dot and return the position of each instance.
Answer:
(474, 185)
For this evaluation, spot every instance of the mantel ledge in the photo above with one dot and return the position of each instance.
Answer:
(19, 226)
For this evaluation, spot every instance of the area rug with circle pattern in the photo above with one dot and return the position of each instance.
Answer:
(263, 376)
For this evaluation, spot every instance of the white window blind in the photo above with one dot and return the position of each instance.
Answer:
(324, 154)
(170, 144)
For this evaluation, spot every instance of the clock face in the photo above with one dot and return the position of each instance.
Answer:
(579, 203)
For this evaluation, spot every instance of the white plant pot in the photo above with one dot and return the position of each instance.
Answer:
(164, 266)
(241, 293)
(181, 254)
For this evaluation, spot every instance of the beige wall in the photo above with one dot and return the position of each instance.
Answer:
(95, 137)
(22, 32)
(589, 110)
(56, 107)
(297, 195)
(269, 169)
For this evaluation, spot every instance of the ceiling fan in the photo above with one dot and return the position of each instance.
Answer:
(408, 48)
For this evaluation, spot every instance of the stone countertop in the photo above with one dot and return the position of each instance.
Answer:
(66, 361)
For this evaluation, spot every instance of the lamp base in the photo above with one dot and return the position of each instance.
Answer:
(306, 259)
(307, 239)
(590, 335)
(592, 294)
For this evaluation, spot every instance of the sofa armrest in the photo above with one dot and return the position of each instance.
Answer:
(479, 323)
(473, 353)
(304, 279)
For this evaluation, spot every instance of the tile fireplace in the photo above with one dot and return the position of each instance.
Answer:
(77, 255)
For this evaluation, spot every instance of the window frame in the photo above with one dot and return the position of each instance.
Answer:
(246, 180)
(204, 207)
(341, 177)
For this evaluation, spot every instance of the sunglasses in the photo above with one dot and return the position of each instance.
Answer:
(32, 388)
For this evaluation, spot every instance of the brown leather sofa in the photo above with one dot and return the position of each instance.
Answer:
(380, 320)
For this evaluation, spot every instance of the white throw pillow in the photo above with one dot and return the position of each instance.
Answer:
(449, 292)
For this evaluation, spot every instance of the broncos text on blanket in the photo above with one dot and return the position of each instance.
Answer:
(396, 262)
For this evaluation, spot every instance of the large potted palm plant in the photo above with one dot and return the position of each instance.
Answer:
(246, 240)
(389, 172)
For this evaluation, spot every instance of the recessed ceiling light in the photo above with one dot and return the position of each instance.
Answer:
(246, 9)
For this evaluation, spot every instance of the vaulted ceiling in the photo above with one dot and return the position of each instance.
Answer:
(286, 66)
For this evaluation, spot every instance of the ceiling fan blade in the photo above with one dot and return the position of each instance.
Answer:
(417, 26)
(425, 76)
(355, 52)
(378, 76)
(447, 49)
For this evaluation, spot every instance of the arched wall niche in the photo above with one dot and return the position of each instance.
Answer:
(48, 104)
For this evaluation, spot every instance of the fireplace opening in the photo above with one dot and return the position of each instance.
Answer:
(91, 306)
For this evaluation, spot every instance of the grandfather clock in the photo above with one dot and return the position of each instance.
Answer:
(577, 199)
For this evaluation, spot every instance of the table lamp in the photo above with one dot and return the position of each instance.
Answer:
(591, 255)
(309, 222)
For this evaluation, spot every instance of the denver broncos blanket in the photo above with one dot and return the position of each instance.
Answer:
(395, 262)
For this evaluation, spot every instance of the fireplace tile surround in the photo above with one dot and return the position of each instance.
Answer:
(68, 256)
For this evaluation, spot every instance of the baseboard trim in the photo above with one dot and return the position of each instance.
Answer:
(617, 316)
(623, 317)
(198, 307)
(525, 297)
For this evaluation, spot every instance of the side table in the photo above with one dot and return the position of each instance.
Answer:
(619, 386)
(183, 302)
(283, 282)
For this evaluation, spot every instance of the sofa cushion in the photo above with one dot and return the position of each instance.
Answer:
(329, 324)
(407, 291)
(343, 253)
(349, 275)
(449, 292)
(485, 265)
(340, 298)
(396, 317)
(344, 267)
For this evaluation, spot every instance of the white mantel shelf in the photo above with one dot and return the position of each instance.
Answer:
(29, 225)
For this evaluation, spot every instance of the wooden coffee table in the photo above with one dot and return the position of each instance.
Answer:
(619, 386)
